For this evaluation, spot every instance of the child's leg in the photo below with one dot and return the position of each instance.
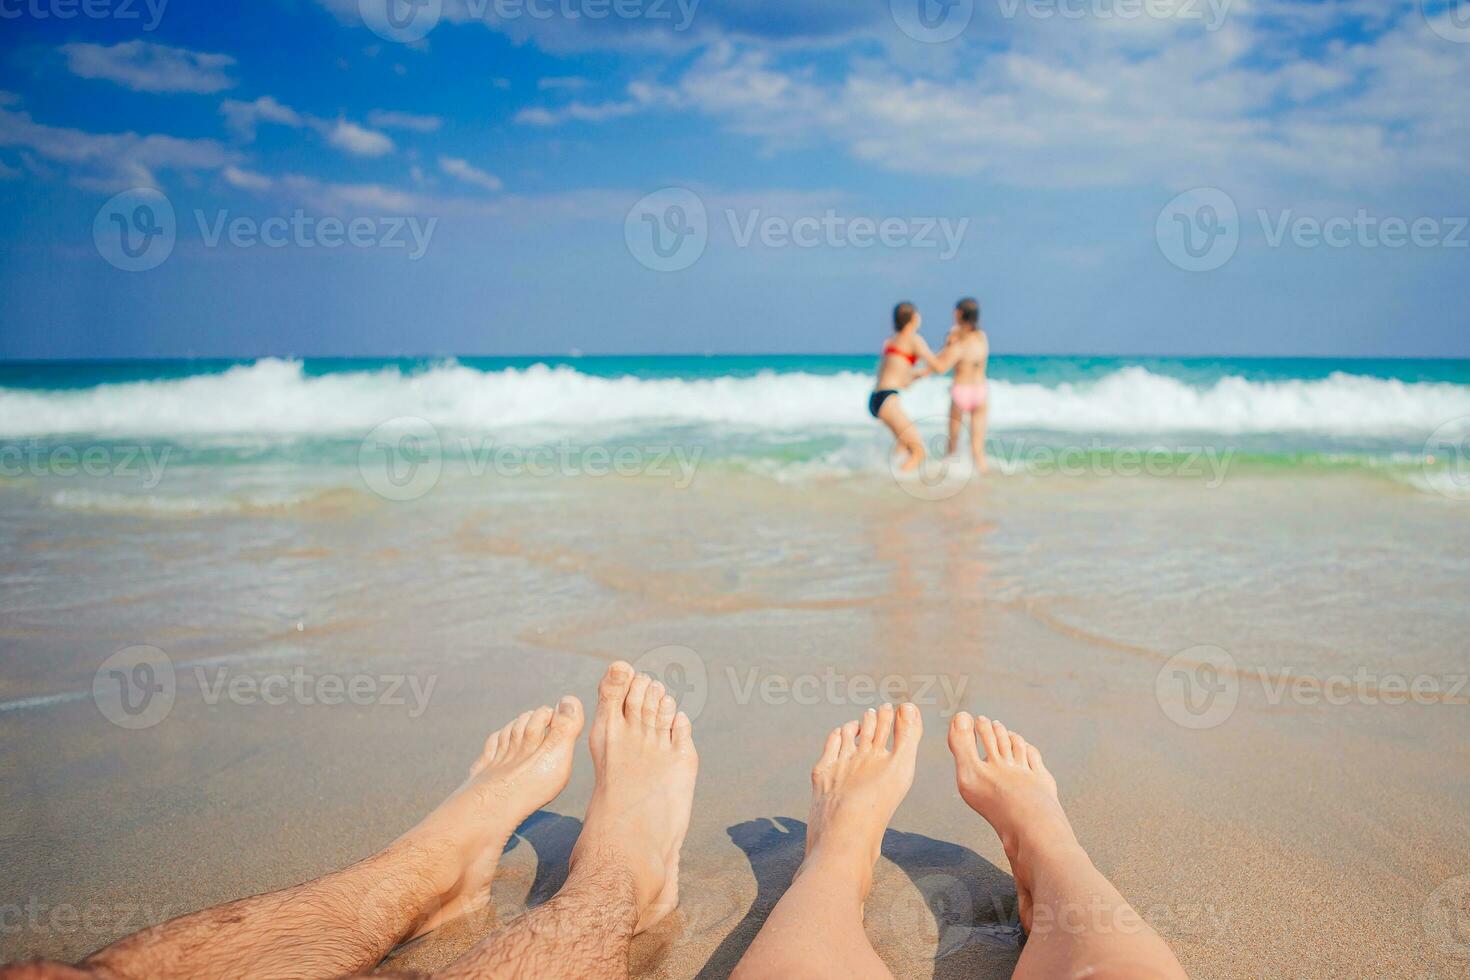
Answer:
(978, 423)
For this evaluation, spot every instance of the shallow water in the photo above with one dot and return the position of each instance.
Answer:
(1250, 681)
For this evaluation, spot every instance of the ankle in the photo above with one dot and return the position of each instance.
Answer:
(1038, 854)
(839, 868)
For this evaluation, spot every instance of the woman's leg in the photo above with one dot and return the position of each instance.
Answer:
(1076, 922)
(817, 927)
(907, 434)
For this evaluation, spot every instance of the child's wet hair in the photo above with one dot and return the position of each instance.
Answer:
(969, 310)
(903, 315)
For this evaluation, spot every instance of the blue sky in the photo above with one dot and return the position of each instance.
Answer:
(507, 171)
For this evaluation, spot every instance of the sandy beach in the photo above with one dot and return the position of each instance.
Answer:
(1286, 838)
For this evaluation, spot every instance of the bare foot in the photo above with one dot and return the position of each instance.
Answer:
(1012, 789)
(856, 785)
(643, 750)
(523, 767)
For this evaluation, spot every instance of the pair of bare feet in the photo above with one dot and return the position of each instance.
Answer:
(860, 780)
(646, 764)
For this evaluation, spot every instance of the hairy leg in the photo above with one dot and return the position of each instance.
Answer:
(347, 921)
(907, 434)
(1077, 923)
(624, 873)
(817, 927)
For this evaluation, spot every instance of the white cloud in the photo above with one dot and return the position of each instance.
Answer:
(1077, 105)
(111, 161)
(468, 173)
(242, 118)
(358, 140)
(641, 96)
(389, 119)
(246, 179)
(147, 67)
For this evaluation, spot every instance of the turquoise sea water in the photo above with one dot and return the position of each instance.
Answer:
(791, 417)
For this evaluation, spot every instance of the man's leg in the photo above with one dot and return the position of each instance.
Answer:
(624, 871)
(346, 922)
(817, 927)
(1076, 922)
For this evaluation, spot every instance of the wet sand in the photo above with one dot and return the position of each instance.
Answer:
(1310, 840)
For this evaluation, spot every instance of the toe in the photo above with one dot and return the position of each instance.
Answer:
(566, 723)
(885, 726)
(633, 704)
(536, 727)
(613, 690)
(650, 704)
(867, 728)
(849, 739)
(1018, 749)
(1033, 758)
(909, 728)
(683, 733)
(667, 708)
(830, 752)
(962, 740)
(1002, 742)
(986, 730)
(518, 728)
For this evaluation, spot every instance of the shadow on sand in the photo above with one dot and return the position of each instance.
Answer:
(972, 902)
(552, 836)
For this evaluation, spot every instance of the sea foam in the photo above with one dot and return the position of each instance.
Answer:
(276, 398)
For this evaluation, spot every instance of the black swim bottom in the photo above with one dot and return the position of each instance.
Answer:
(877, 398)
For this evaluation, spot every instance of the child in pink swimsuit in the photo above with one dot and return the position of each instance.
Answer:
(967, 351)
